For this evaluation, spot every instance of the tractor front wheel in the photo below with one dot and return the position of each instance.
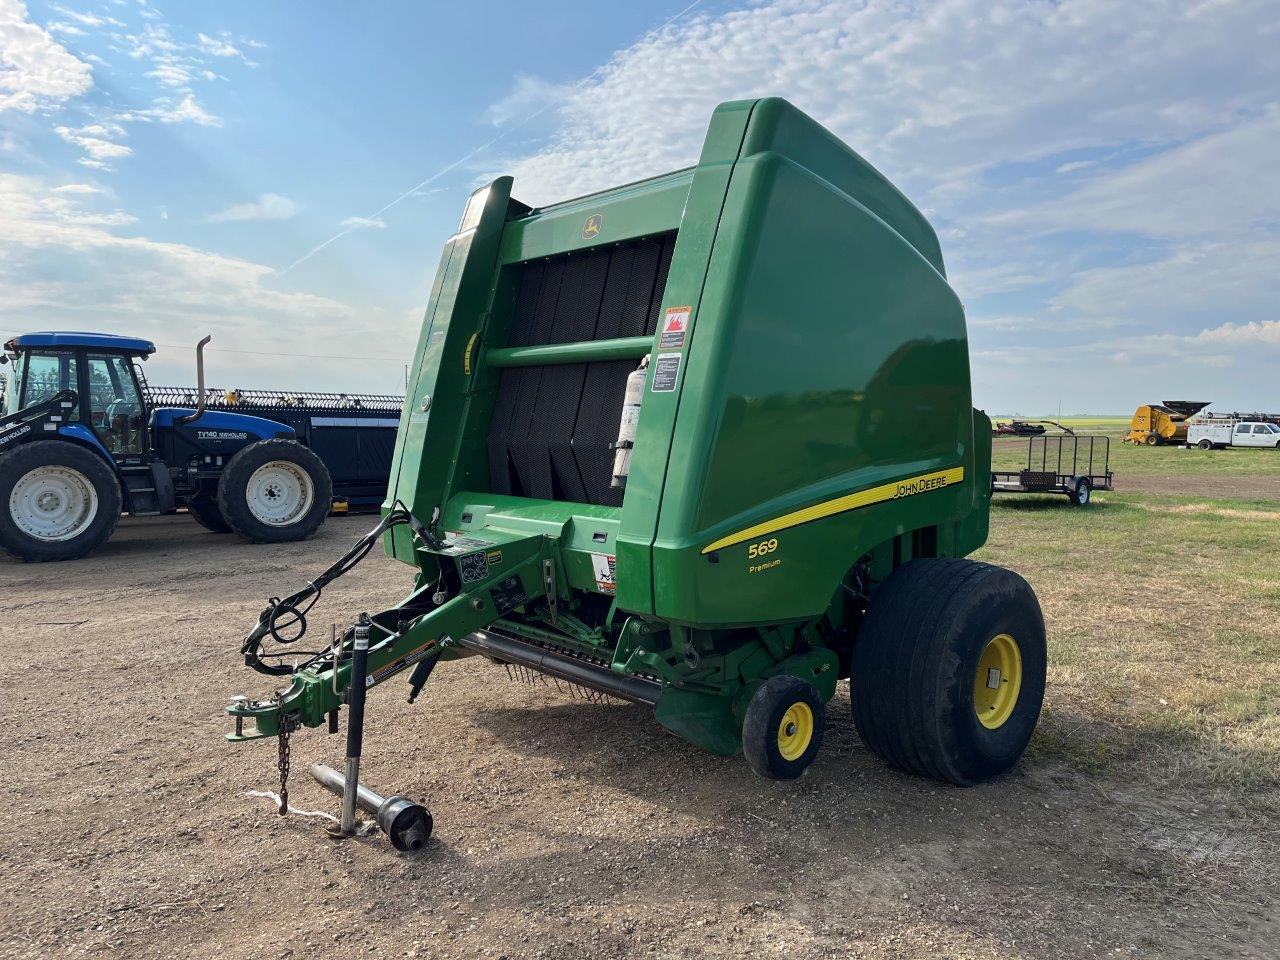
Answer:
(58, 501)
(783, 727)
(275, 491)
(949, 669)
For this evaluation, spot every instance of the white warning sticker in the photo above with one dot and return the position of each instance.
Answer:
(674, 328)
(605, 569)
(665, 372)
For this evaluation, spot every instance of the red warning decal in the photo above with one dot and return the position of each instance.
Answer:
(674, 328)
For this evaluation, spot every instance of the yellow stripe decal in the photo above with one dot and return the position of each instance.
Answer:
(850, 501)
(466, 357)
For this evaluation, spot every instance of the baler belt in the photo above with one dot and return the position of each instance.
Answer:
(553, 425)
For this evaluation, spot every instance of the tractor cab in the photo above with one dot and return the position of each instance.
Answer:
(102, 370)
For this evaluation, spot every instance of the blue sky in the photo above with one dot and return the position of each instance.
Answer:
(1102, 175)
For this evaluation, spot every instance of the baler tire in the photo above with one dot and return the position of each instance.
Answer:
(233, 491)
(918, 660)
(204, 511)
(1152, 440)
(769, 729)
(17, 463)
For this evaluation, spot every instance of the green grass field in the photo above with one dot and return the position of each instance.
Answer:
(1163, 616)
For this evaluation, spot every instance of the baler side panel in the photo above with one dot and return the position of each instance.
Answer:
(830, 358)
(685, 280)
(430, 432)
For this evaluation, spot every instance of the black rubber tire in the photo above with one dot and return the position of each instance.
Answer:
(234, 506)
(764, 717)
(916, 658)
(1205, 444)
(204, 511)
(16, 463)
(1152, 440)
(1081, 495)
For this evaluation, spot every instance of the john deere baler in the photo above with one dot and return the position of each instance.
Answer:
(703, 442)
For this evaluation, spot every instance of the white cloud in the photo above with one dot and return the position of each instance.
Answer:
(217, 47)
(530, 95)
(166, 291)
(188, 110)
(270, 206)
(77, 188)
(66, 29)
(934, 93)
(102, 130)
(1245, 334)
(170, 72)
(1160, 123)
(1195, 283)
(1223, 182)
(91, 140)
(165, 110)
(87, 19)
(35, 70)
(363, 223)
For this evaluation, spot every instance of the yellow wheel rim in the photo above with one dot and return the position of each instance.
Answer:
(795, 732)
(998, 681)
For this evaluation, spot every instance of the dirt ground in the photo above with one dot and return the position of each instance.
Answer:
(1266, 487)
(564, 829)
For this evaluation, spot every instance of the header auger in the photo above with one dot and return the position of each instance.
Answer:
(804, 469)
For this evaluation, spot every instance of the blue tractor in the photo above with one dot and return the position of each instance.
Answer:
(81, 443)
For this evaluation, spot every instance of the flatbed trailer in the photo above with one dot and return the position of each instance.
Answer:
(1075, 464)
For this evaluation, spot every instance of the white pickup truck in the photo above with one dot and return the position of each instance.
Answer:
(1239, 433)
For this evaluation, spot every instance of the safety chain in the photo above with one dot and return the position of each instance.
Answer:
(282, 758)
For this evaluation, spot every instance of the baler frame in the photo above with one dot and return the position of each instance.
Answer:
(774, 509)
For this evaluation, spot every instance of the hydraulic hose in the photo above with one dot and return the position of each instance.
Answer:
(284, 621)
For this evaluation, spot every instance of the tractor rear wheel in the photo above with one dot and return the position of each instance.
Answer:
(275, 491)
(58, 501)
(204, 510)
(949, 669)
(783, 727)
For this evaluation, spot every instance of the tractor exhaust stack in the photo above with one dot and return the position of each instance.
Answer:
(193, 417)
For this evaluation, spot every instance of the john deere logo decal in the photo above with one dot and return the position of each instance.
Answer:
(591, 229)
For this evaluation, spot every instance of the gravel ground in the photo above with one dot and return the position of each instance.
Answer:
(563, 829)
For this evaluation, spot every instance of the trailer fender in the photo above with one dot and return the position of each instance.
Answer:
(1080, 491)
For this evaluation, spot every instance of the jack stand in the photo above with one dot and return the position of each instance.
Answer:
(355, 722)
(407, 824)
